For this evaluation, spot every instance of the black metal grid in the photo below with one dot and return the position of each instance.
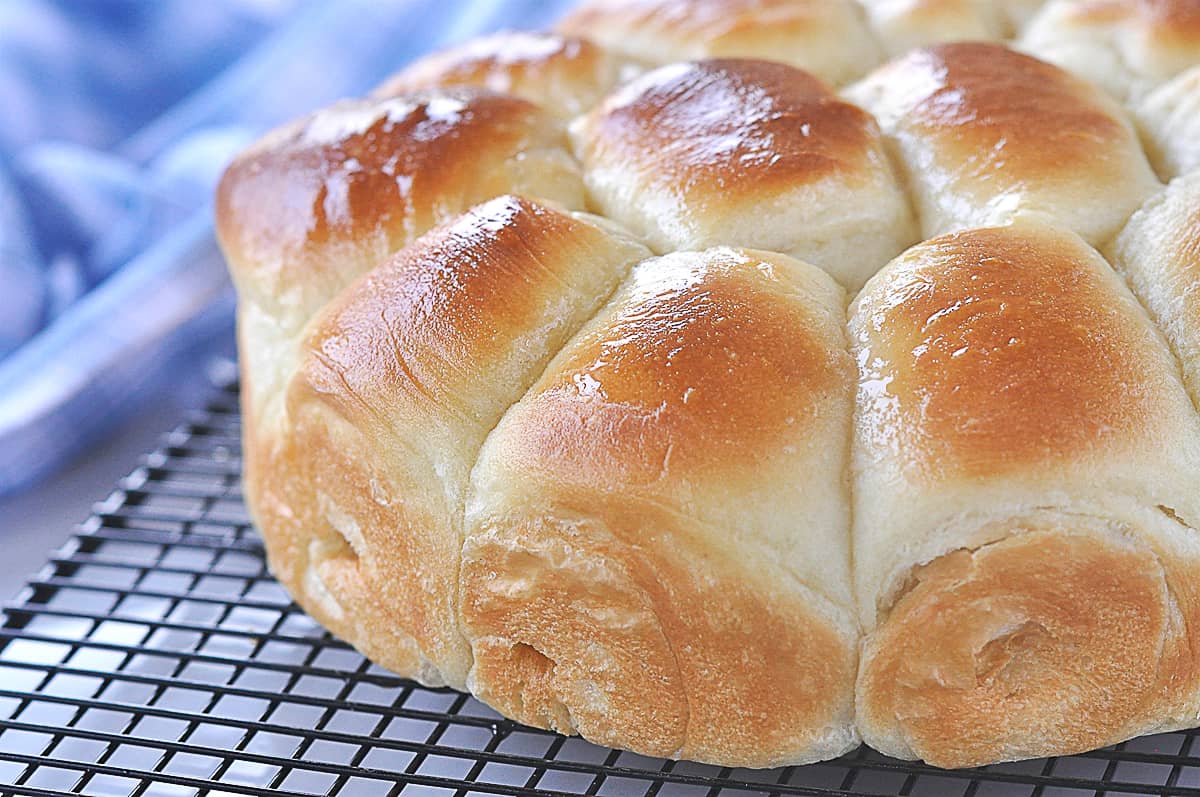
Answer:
(155, 655)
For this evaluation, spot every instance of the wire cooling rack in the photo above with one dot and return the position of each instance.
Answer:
(155, 655)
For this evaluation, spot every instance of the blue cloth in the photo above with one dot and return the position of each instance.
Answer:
(119, 116)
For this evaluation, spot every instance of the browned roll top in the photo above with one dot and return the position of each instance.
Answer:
(987, 134)
(644, 476)
(997, 106)
(687, 377)
(319, 201)
(453, 298)
(730, 127)
(1003, 352)
(748, 153)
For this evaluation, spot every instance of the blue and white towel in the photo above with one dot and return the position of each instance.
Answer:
(119, 116)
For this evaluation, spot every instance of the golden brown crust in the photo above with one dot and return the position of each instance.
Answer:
(724, 129)
(1046, 643)
(566, 75)
(614, 529)
(316, 203)
(458, 299)
(305, 552)
(987, 133)
(645, 538)
(690, 373)
(988, 104)
(1003, 349)
(746, 153)
(322, 480)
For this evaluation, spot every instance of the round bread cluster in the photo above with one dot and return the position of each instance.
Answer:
(740, 380)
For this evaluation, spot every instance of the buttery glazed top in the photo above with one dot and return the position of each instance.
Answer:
(360, 179)
(729, 128)
(1005, 117)
(425, 324)
(701, 359)
(1004, 347)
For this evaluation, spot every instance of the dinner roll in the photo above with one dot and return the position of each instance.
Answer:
(1126, 46)
(657, 533)
(1025, 468)
(318, 202)
(904, 24)
(829, 38)
(1158, 252)
(987, 134)
(321, 201)
(746, 153)
(566, 75)
(400, 379)
(1169, 119)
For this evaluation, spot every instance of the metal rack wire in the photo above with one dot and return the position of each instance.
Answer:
(154, 655)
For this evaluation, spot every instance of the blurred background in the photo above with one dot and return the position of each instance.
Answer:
(118, 118)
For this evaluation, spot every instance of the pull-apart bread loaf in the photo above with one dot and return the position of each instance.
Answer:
(551, 392)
